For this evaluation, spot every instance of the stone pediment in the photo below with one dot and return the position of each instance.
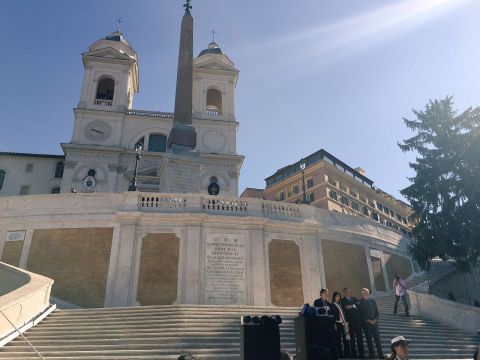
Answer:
(214, 64)
(107, 53)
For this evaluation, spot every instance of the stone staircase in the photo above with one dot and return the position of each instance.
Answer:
(211, 332)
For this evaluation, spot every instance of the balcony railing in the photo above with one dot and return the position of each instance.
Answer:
(101, 102)
(213, 113)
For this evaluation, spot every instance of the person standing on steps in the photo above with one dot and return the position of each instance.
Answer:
(369, 311)
(400, 287)
(354, 319)
(342, 326)
(322, 301)
(399, 348)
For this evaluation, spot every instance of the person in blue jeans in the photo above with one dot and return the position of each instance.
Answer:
(400, 287)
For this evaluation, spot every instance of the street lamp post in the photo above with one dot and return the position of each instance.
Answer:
(302, 167)
(138, 156)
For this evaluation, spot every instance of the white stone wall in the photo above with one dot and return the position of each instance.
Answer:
(195, 219)
(41, 180)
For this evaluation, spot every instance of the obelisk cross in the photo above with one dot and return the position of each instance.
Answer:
(187, 6)
(213, 35)
(119, 21)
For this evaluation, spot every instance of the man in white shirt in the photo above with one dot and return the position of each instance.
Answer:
(400, 287)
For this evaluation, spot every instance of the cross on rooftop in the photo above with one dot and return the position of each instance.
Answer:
(119, 21)
(213, 34)
(187, 6)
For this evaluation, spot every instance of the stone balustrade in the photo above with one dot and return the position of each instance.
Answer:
(153, 201)
(157, 114)
(101, 102)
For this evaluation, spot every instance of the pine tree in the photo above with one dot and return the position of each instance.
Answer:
(445, 191)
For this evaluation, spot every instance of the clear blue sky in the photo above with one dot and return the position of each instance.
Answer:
(338, 75)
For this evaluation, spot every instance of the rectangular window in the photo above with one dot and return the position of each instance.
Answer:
(354, 206)
(365, 211)
(344, 200)
(55, 190)
(281, 196)
(404, 220)
(333, 194)
(399, 218)
(379, 206)
(382, 221)
(2, 178)
(295, 189)
(309, 183)
(375, 216)
(386, 210)
(25, 190)
(157, 143)
(29, 168)
(392, 214)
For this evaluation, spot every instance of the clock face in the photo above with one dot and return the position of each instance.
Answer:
(98, 130)
(89, 183)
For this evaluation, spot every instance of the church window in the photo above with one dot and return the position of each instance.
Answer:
(59, 166)
(3, 174)
(105, 89)
(55, 190)
(25, 190)
(29, 168)
(157, 142)
(214, 102)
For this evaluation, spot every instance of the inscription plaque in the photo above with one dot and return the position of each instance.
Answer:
(225, 269)
(16, 235)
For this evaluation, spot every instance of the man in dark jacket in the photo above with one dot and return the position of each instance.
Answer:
(354, 319)
(322, 301)
(369, 312)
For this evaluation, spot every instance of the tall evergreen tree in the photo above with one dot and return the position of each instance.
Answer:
(445, 191)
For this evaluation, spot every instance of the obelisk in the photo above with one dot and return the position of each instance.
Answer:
(183, 138)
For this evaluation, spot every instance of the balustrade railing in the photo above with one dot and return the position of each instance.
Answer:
(101, 102)
(214, 204)
(164, 115)
(278, 208)
(163, 201)
(213, 113)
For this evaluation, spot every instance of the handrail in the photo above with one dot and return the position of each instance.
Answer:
(19, 332)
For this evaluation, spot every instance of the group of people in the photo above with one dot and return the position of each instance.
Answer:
(355, 317)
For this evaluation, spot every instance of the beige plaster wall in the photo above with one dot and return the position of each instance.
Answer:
(345, 266)
(158, 278)
(396, 264)
(286, 286)
(76, 259)
(12, 251)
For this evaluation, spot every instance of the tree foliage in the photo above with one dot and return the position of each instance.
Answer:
(445, 191)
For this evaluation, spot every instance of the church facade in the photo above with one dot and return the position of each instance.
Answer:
(100, 156)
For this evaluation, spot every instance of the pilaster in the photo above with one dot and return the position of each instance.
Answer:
(259, 273)
(312, 282)
(191, 280)
(121, 266)
(26, 249)
(370, 269)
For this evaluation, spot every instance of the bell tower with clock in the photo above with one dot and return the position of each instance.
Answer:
(109, 83)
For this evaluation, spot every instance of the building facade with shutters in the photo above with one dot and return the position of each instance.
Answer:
(333, 185)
